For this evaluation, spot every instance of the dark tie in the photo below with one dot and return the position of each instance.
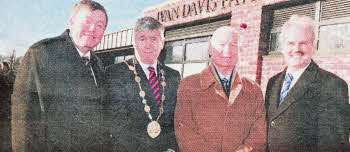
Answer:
(88, 64)
(153, 81)
(225, 84)
(286, 87)
(89, 67)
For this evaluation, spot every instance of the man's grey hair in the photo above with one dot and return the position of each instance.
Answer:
(295, 19)
(148, 23)
(220, 30)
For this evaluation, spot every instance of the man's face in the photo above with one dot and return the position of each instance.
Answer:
(4, 68)
(148, 44)
(224, 50)
(87, 27)
(298, 46)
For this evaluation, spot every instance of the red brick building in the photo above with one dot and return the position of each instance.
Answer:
(190, 23)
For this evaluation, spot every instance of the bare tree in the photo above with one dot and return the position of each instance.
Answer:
(12, 59)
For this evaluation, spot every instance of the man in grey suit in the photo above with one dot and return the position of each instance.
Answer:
(307, 107)
(58, 90)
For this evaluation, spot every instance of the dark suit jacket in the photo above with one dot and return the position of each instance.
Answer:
(56, 104)
(314, 116)
(127, 116)
(5, 108)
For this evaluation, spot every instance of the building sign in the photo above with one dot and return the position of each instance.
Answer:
(197, 8)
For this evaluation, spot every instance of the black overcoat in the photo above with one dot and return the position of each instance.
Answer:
(56, 104)
(5, 108)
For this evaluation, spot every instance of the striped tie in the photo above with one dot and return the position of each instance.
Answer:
(226, 84)
(153, 81)
(286, 87)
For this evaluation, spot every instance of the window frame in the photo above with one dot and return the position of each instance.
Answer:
(319, 24)
(184, 43)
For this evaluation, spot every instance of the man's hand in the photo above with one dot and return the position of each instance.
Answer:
(244, 148)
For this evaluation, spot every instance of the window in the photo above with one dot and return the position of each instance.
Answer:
(188, 56)
(193, 68)
(174, 54)
(334, 37)
(186, 48)
(332, 33)
(119, 59)
(280, 16)
(334, 29)
(274, 44)
(197, 51)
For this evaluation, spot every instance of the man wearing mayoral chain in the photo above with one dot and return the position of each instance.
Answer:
(142, 94)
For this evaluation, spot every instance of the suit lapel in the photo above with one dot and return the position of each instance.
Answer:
(72, 56)
(144, 81)
(98, 71)
(304, 83)
(148, 91)
(218, 86)
(236, 87)
(275, 94)
(160, 66)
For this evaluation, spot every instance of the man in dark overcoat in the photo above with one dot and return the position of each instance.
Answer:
(307, 107)
(58, 90)
(5, 111)
(141, 94)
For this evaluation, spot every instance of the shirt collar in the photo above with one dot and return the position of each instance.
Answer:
(145, 66)
(87, 55)
(298, 73)
(208, 77)
(221, 76)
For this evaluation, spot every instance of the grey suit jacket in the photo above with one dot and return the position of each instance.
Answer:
(314, 116)
(56, 104)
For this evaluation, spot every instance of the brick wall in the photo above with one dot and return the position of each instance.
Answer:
(260, 67)
(249, 38)
(337, 64)
(252, 63)
(185, 11)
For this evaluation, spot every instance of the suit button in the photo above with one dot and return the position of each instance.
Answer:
(273, 123)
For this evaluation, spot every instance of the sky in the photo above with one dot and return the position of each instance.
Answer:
(24, 22)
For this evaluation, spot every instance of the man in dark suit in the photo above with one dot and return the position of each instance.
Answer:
(307, 107)
(142, 94)
(58, 90)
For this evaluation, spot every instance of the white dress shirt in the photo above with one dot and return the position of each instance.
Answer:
(145, 66)
(296, 75)
(228, 77)
(221, 76)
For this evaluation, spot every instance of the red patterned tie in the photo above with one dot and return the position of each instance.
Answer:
(153, 81)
